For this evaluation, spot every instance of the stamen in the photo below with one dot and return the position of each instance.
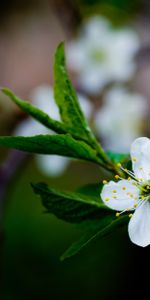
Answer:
(107, 199)
(104, 181)
(127, 172)
(130, 215)
(134, 159)
(141, 202)
(119, 165)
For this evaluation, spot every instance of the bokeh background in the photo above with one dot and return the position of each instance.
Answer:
(31, 242)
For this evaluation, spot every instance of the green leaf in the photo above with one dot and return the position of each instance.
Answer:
(93, 189)
(63, 145)
(118, 157)
(65, 95)
(35, 112)
(70, 111)
(71, 207)
(103, 227)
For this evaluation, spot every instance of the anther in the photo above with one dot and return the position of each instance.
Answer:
(124, 188)
(130, 215)
(119, 165)
(106, 199)
(104, 181)
(117, 176)
(117, 214)
(134, 159)
(114, 191)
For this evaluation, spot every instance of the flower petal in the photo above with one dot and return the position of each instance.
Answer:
(139, 226)
(120, 195)
(140, 155)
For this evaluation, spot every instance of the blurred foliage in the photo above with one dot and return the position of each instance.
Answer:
(118, 11)
(34, 241)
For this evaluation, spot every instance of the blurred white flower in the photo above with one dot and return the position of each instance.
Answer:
(101, 54)
(119, 121)
(42, 97)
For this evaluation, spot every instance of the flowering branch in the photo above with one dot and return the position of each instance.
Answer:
(74, 139)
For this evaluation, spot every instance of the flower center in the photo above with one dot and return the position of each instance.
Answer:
(98, 55)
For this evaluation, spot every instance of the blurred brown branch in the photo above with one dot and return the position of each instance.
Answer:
(68, 13)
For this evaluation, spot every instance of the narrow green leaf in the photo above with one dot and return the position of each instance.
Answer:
(71, 207)
(36, 113)
(65, 95)
(103, 227)
(70, 111)
(63, 145)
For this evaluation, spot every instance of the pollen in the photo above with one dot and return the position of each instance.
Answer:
(117, 214)
(107, 199)
(130, 215)
(118, 165)
(141, 168)
(131, 195)
(104, 181)
(135, 205)
(129, 178)
(117, 176)
(124, 188)
(134, 159)
(114, 191)
(115, 197)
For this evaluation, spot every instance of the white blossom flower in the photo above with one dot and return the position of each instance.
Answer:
(42, 97)
(101, 54)
(133, 194)
(120, 119)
